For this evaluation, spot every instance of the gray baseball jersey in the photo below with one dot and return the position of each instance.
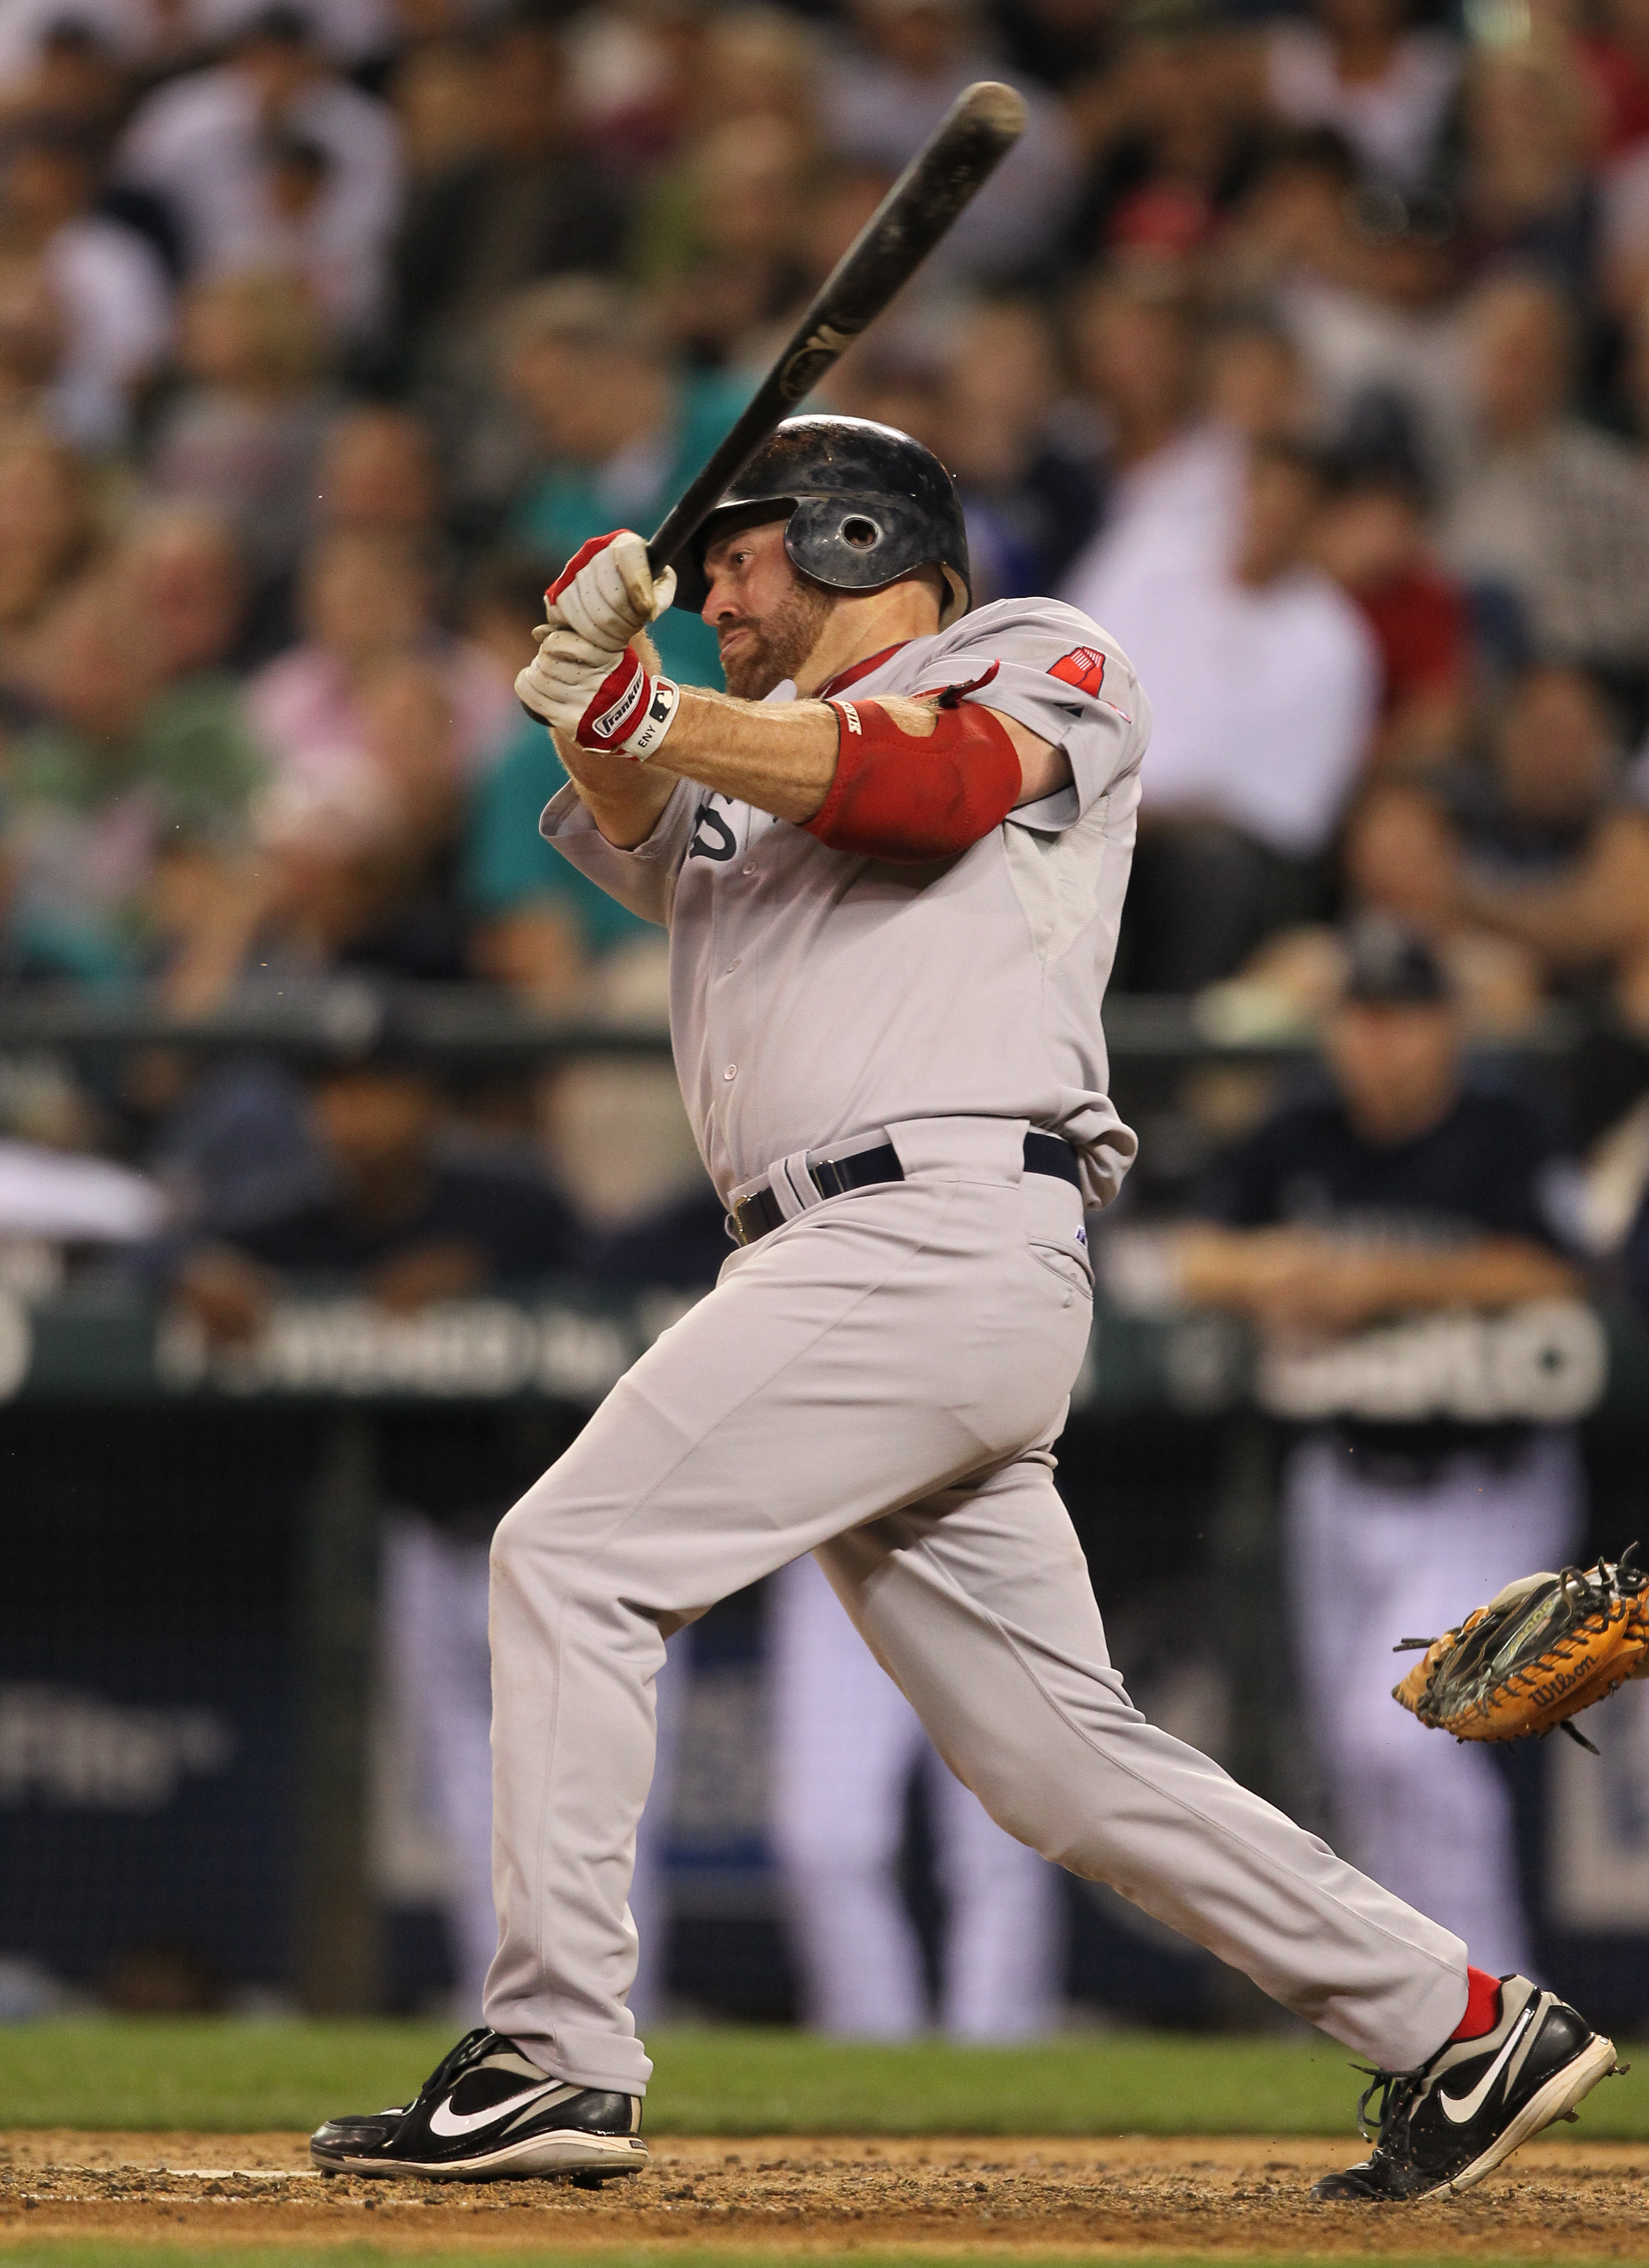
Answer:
(816, 997)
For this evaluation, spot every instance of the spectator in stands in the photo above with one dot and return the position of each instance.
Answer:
(1371, 538)
(241, 437)
(1555, 857)
(1363, 279)
(1400, 859)
(33, 339)
(722, 257)
(378, 472)
(126, 807)
(1165, 141)
(1365, 70)
(532, 202)
(1175, 479)
(112, 294)
(364, 864)
(213, 144)
(183, 571)
(1551, 513)
(438, 93)
(1254, 380)
(891, 84)
(1030, 488)
(71, 66)
(1530, 117)
(1264, 685)
(1403, 1198)
(48, 530)
(366, 599)
(619, 431)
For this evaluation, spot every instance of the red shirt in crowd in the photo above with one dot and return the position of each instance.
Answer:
(1419, 621)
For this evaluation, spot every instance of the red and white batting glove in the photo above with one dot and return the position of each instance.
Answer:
(607, 590)
(586, 682)
(604, 701)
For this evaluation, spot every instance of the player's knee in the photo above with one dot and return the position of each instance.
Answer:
(535, 1542)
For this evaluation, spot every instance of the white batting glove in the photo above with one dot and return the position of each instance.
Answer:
(607, 590)
(605, 701)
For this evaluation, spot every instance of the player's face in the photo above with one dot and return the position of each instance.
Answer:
(1394, 1064)
(767, 618)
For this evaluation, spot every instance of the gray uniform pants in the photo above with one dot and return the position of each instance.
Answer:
(880, 1381)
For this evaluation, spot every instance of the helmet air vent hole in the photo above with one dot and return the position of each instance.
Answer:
(861, 533)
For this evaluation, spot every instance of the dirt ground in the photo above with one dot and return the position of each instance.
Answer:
(1184, 2194)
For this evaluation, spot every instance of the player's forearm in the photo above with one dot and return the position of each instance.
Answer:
(781, 757)
(625, 799)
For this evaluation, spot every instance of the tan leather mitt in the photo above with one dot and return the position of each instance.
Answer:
(1539, 1653)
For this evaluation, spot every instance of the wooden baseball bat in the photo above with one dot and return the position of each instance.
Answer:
(982, 126)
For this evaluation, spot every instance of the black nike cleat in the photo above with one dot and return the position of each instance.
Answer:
(486, 2114)
(1444, 2126)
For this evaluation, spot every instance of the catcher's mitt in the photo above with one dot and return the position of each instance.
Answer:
(1539, 1653)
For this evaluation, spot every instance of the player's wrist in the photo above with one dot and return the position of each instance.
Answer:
(630, 714)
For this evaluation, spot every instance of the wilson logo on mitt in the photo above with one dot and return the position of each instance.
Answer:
(1539, 1653)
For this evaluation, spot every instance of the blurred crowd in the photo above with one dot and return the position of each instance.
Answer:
(1307, 351)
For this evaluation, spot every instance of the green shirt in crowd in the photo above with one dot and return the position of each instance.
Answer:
(84, 822)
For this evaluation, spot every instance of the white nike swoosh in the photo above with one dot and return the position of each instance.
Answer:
(446, 2121)
(1467, 2106)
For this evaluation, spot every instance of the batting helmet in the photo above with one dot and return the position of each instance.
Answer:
(862, 505)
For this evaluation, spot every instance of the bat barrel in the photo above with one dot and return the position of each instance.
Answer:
(980, 128)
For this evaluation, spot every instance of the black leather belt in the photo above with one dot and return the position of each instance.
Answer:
(758, 1215)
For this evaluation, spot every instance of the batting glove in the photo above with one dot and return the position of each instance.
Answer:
(604, 701)
(607, 590)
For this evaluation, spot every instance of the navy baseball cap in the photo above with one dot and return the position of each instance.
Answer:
(1391, 966)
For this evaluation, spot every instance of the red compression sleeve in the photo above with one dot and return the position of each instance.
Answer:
(911, 798)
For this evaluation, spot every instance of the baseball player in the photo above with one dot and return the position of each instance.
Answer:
(1356, 1224)
(891, 860)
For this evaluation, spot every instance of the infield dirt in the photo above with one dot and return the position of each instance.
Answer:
(1141, 2193)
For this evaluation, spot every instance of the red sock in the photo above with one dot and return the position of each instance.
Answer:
(1483, 2006)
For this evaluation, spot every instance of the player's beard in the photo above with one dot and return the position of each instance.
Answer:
(778, 648)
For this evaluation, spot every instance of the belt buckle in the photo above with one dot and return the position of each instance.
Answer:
(756, 1216)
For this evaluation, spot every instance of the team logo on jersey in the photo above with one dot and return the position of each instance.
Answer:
(712, 838)
(1084, 667)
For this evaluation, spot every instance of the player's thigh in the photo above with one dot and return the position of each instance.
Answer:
(844, 1739)
(872, 1351)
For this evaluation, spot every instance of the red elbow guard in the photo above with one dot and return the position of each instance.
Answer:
(910, 798)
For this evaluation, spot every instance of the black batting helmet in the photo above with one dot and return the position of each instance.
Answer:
(862, 504)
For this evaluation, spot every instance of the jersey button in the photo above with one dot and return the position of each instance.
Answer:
(731, 1071)
(750, 869)
(731, 965)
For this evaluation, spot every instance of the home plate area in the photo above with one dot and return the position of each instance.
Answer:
(1133, 2194)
